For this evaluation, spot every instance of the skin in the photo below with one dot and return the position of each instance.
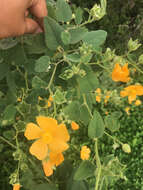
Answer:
(14, 20)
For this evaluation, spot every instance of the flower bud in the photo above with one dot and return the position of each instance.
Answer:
(126, 148)
(140, 60)
(133, 45)
(96, 12)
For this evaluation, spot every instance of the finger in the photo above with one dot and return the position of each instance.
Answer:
(31, 26)
(26, 13)
(39, 9)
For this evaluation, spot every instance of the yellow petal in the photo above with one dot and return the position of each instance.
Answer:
(62, 133)
(139, 90)
(56, 159)
(47, 167)
(58, 146)
(74, 125)
(16, 186)
(39, 149)
(32, 131)
(85, 153)
(115, 72)
(123, 93)
(138, 102)
(125, 69)
(131, 98)
(46, 123)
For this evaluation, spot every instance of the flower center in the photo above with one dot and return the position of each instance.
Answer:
(47, 138)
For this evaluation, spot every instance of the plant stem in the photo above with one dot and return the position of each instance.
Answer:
(53, 74)
(113, 138)
(26, 80)
(85, 103)
(55, 108)
(98, 165)
(134, 64)
(103, 67)
(9, 143)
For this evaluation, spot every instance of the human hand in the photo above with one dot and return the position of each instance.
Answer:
(14, 19)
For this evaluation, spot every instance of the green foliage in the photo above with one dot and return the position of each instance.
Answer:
(85, 170)
(42, 64)
(96, 126)
(69, 63)
(95, 38)
(63, 11)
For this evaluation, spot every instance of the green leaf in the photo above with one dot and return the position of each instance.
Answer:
(104, 5)
(95, 38)
(7, 43)
(9, 134)
(45, 186)
(96, 126)
(1, 94)
(86, 58)
(74, 57)
(51, 10)
(15, 55)
(85, 170)
(52, 33)
(1, 147)
(9, 115)
(38, 83)
(78, 15)
(84, 115)
(72, 110)
(89, 82)
(59, 97)
(4, 68)
(77, 34)
(74, 184)
(34, 44)
(63, 12)
(77, 185)
(66, 37)
(112, 123)
(24, 108)
(42, 64)
(11, 82)
(67, 74)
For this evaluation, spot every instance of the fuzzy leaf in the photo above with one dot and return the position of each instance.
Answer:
(96, 126)
(63, 12)
(85, 170)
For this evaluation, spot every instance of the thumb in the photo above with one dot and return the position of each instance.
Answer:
(31, 26)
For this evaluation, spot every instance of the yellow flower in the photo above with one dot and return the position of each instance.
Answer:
(127, 110)
(74, 125)
(107, 97)
(39, 98)
(138, 102)
(132, 91)
(98, 91)
(49, 102)
(106, 112)
(16, 186)
(47, 167)
(50, 99)
(19, 99)
(50, 137)
(98, 99)
(120, 73)
(85, 153)
(54, 160)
